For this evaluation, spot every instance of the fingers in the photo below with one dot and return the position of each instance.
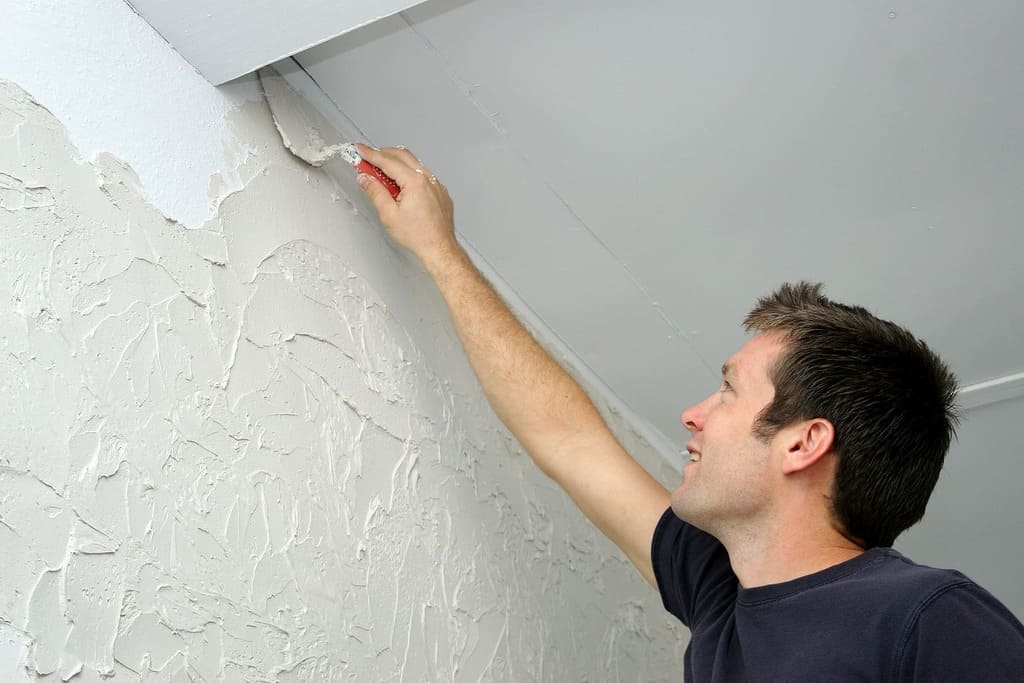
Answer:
(395, 166)
(397, 162)
(378, 194)
(405, 155)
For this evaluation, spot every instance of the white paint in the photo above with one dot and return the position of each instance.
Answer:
(254, 450)
(119, 89)
(230, 38)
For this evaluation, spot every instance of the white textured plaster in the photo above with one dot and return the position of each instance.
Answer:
(14, 645)
(254, 451)
(118, 88)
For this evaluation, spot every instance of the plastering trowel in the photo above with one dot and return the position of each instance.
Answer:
(309, 135)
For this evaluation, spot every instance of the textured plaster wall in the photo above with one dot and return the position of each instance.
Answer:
(253, 450)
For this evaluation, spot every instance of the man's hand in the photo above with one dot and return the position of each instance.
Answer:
(422, 218)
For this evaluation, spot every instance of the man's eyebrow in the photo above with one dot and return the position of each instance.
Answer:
(727, 370)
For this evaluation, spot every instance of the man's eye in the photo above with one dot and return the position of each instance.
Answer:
(725, 387)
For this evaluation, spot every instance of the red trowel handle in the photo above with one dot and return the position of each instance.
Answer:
(350, 154)
(366, 167)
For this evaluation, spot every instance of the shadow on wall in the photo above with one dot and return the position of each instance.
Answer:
(224, 454)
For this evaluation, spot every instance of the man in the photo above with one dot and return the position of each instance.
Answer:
(822, 444)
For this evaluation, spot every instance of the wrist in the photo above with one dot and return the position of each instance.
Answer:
(441, 257)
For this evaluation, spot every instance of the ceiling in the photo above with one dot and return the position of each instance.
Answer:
(640, 173)
(230, 38)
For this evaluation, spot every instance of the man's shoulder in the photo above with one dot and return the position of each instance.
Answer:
(896, 569)
(892, 578)
(959, 631)
(926, 623)
(948, 592)
(926, 594)
(881, 586)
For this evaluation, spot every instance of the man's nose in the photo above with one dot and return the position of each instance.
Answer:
(693, 417)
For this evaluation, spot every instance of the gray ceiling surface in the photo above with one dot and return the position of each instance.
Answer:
(639, 173)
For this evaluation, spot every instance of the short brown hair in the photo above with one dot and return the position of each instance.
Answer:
(890, 399)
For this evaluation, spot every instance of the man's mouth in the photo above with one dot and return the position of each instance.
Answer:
(694, 453)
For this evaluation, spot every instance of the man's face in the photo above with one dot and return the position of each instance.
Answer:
(732, 481)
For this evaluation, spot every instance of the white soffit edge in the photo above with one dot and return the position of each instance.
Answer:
(992, 391)
(230, 38)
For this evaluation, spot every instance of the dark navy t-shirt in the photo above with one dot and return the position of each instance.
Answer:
(877, 617)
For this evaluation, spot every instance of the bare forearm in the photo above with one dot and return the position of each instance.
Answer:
(537, 400)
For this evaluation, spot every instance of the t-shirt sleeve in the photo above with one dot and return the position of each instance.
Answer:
(692, 571)
(963, 633)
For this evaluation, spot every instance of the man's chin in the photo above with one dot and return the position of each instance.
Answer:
(679, 507)
(684, 509)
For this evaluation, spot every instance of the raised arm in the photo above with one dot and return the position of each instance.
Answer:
(543, 407)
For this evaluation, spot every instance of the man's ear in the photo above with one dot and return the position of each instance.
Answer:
(806, 443)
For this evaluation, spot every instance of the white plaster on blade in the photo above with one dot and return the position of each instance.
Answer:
(304, 130)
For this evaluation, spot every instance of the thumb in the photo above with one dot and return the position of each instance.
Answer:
(378, 194)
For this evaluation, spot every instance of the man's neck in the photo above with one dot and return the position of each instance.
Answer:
(775, 555)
